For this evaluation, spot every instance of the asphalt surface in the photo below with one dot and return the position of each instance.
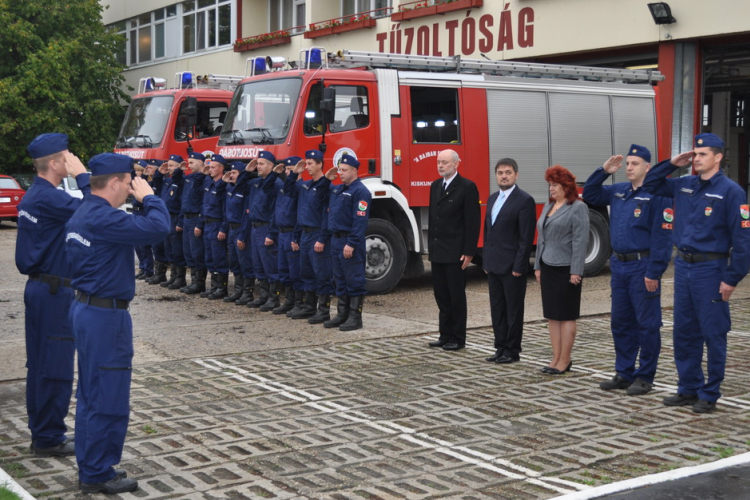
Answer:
(229, 403)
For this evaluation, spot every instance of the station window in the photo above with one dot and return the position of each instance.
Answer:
(374, 8)
(210, 120)
(434, 114)
(206, 24)
(149, 36)
(286, 15)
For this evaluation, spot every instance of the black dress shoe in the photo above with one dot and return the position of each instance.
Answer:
(546, 369)
(494, 357)
(115, 485)
(553, 371)
(503, 360)
(118, 473)
(437, 343)
(452, 346)
(65, 449)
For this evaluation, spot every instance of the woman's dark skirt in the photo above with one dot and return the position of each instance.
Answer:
(561, 300)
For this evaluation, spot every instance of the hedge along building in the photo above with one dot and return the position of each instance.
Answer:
(702, 49)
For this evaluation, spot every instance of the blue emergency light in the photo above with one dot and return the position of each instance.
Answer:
(187, 80)
(259, 66)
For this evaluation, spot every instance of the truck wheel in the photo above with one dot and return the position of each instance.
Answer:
(386, 256)
(599, 245)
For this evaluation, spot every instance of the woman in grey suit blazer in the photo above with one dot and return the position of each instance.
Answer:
(563, 228)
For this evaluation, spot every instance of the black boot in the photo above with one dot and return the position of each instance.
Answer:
(308, 306)
(324, 310)
(247, 292)
(141, 274)
(288, 304)
(179, 282)
(221, 291)
(342, 313)
(263, 287)
(214, 286)
(274, 291)
(160, 269)
(299, 299)
(172, 276)
(355, 314)
(239, 282)
(198, 283)
(193, 279)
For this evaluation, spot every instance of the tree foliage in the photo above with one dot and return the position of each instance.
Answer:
(58, 73)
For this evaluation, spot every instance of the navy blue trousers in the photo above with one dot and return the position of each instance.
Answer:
(700, 318)
(240, 261)
(173, 244)
(316, 268)
(105, 356)
(265, 258)
(216, 251)
(636, 320)
(192, 245)
(50, 350)
(145, 258)
(289, 262)
(349, 274)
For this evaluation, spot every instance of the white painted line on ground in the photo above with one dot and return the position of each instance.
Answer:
(459, 452)
(9, 483)
(661, 477)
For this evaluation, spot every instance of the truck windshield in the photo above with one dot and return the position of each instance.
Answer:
(145, 122)
(261, 112)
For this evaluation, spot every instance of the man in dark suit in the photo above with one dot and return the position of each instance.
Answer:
(508, 237)
(453, 233)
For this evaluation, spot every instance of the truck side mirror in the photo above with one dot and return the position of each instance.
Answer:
(328, 105)
(191, 109)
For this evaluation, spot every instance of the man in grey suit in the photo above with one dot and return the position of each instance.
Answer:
(508, 238)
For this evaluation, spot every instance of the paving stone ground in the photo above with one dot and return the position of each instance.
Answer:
(392, 419)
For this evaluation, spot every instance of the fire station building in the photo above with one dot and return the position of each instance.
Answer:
(702, 48)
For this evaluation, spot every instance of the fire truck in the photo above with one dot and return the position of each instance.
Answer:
(160, 121)
(396, 112)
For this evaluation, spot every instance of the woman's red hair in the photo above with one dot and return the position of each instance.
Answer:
(558, 174)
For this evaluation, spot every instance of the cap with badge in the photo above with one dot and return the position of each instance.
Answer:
(267, 155)
(110, 163)
(47, 144)
(141, 163)
(238, 165)
(314, 154)
(197, 156)
(640, 151)
(708, 141)
(349, 160)
(219, 159)
(156, 163)
(291, 161)
(176, 158)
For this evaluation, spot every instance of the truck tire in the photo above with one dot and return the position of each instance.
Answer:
(599, 244)
(386, 256)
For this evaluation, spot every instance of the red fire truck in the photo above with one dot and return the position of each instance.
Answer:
(395, 113)
(160, 121)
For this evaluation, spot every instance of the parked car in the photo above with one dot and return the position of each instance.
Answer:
(24, 180)
(10, 196)
(70, 186)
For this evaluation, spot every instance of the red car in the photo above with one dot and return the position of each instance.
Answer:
(10, 196)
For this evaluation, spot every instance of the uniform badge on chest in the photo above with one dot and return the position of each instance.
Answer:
(708, 211)
(637, 212)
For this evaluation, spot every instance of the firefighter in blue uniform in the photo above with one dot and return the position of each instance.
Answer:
(100, 241)
(159, 186)
(284, 222)
(216, 228)
(641, 236)
(240, 259)
(144, 253)
(190, 211)
(316, 271)
(257, 223)
(348, 213)
(172, 196)
(711, 219)
(50, 347)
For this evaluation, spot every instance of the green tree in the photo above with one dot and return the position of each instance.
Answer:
(58, 73)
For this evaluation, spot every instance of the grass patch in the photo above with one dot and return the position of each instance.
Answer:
(6, 494)
(149, 430)
(723, 451)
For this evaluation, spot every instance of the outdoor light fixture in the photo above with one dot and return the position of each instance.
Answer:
(661, 13)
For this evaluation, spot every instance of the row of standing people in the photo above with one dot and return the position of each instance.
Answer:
(265, 224)
(704, 216)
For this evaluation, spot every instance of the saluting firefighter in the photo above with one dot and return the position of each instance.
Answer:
(348, 213)
(159, 186)
(641, 236)
(216, 229)
(240, 257)
(144, 253)
(172, 196)
(190, 212)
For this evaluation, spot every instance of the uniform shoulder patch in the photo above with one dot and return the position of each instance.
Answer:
(361, 213)
(362, 205)
(668, 214)
(745, 211)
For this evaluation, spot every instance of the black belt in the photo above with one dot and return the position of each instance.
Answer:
(341, 234)
(137, 210)
(53, 281)
(95, 301)
(309, 229)
(234, 225)
(191, 215)
(174, 214)
(286, 229)
(691, 258)
(211, 220)
(629, 257)
(260, 224)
